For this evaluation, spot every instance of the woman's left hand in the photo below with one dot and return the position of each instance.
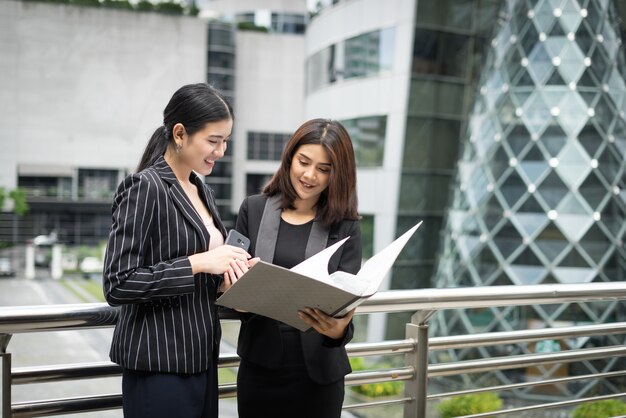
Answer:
(334, 328)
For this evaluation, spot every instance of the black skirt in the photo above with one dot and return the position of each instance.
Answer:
(286, 391)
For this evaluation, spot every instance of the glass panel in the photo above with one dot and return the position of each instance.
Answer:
(440, 53)
(97, 184)
(255, 183)
(436, 97)
(453, 14)
(425, 138)
(221, 36)
(367, 236)
(423, 192)
(221, 59)
(368, 139)
(419, 249)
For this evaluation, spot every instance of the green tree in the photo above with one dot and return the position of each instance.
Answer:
(20, 206)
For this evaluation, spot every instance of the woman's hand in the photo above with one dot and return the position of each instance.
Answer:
(217, 260)
(334, 328)
(235, 270)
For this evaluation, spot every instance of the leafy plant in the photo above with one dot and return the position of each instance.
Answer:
(19, 200)
(375, 389)
(251, 27)
(91, 3)
(144, 6)
(477, 403)
(118, 4)
(600, 409)
(169, 8)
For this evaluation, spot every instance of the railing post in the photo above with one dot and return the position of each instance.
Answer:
(416, 389)
(6, 376)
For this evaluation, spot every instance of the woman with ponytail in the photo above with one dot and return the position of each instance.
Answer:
(165, 263)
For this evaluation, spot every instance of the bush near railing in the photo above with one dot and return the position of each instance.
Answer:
(600, 409)
(458, 406)
(374, 389)
(167, 7)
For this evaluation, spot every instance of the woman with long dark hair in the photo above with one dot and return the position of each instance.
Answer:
(308, 205)
(165, 259)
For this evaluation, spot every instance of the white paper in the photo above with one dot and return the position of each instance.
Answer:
(375, 269)
(316, 266)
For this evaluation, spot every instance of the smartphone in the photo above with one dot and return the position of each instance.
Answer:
(236, 239)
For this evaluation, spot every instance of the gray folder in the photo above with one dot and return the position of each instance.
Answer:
(279, 293)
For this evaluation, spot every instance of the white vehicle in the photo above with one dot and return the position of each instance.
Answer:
(90, 266)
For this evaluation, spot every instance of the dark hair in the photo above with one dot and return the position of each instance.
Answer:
(338, 201)
(192, 105)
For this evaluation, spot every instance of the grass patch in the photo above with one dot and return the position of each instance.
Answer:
(226, 375)
(90, 287)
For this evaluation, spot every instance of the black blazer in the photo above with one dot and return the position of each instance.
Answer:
(168, 320)
(259, 337)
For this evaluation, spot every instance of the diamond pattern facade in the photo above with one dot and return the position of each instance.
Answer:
(540, 194)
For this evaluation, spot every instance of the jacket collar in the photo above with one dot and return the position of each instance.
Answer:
(268, 232)
(181, 200)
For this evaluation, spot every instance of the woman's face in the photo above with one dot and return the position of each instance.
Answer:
(200, 150)
(310, 171)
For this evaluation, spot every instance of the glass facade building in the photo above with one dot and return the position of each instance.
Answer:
(539, 196)
(449, 40)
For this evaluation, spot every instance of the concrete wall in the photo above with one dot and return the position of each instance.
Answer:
(269, 96)
(86, 87)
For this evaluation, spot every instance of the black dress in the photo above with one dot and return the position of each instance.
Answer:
(287, 391)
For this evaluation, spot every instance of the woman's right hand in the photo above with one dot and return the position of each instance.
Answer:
(217, 260)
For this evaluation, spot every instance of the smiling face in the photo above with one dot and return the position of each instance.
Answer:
(310, 172)
(200, 150)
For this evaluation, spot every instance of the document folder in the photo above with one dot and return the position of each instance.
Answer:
(279, 293)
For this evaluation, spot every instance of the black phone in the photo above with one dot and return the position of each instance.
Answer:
(237, 239)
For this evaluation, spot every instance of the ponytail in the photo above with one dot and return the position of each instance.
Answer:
(156, 147)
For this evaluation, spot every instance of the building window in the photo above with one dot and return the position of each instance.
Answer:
(42, 186)
(440, 53)
(221, 36)
(288, 23)
(221, 59)
(361, 56)
(256, 182)
(266, 146)
(368, 139)
(97, 184)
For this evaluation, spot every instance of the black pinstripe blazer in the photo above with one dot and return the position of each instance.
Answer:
(168, 320)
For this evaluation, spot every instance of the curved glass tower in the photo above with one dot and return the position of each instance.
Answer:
(540, 193)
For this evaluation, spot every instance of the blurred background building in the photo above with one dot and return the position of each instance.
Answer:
(82, 89)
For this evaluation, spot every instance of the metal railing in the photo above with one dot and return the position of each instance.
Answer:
(415, 347)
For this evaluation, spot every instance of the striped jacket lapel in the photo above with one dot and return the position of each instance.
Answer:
(180, 199)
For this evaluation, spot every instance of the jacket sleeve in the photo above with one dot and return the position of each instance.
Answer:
(127, 277)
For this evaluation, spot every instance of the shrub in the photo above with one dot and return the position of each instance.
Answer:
(477, 403)
(375, 389)
(251, 27)
(144, 6)
(118, 4)
(90, 3)
(600, 409)
(169, 8)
